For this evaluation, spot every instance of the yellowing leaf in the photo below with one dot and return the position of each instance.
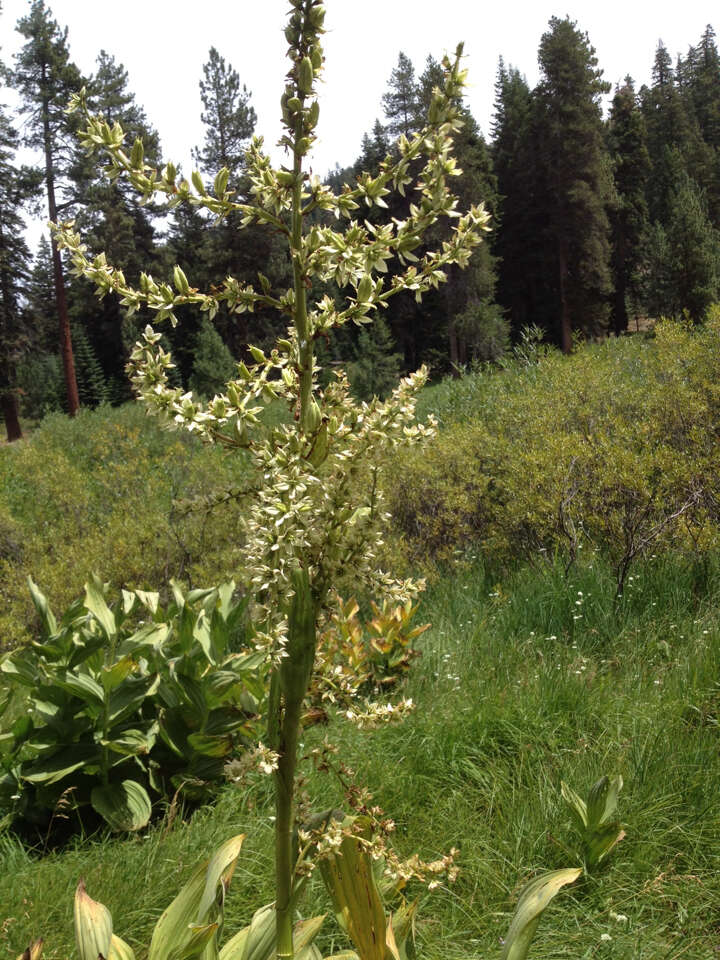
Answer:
(93, 926)
(533, 900)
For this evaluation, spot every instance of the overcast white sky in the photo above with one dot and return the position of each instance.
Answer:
(164, 44)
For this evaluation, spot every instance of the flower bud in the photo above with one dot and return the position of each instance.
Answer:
(305, 76)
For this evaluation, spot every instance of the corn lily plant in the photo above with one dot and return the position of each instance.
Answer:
(316, 518)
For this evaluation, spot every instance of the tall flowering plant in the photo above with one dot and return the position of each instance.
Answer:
(314, 509)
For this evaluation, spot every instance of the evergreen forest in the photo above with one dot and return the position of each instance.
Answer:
(597, 223)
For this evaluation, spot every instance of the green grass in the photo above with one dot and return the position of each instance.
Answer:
(527, 678)
(513, 695)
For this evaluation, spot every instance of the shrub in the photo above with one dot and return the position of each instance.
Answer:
(99, 492)
(615, 447)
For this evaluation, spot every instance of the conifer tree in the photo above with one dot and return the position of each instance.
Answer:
(221, 249)
(39, 371)
(213, 364)
(92, 387)
(702, 95)
(375, 370)
(704, 83)
(46, 78)
(40, 300)
(374, 149)
(522, 273)
(16, 185)
(460, 321)
(672, 135)
(627, 140)
(694, 252)
(473, 323)
(228, 116)
(111, 218)
(576, 177)
(401, 103)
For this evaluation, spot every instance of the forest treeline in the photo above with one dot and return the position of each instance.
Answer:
(595, 221)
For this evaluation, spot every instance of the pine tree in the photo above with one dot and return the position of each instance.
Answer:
(627, 141)
(375, 371)
(375, 148)
(223, 249)
(694, 252)
(111, 218)
(401, 103)
(40, 374)
(91, 381)
(523, 272)
(228, 116)
(577, 180)
(473, 322)
(45, 79)
(672, 134)
(704, 86)
(461, 321)
(213, 364)
(16, 185)
(702, 96)
(430, 78)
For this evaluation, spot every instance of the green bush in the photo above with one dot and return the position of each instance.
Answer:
(615, 447)
(115, 701)
(100, 492)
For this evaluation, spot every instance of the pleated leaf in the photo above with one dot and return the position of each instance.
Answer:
(195, 902)
(93, 926)
(349, 879)
(234, 948)
(124, 806)
(533, 900)
(119, 950)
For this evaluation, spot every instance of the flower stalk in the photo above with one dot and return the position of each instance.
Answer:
(315, 519)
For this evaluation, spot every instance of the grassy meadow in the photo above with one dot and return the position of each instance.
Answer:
(530, 675)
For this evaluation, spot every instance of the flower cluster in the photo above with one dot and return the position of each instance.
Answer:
(317, 504)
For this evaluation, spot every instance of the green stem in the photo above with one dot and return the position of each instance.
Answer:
(294, 674)
(292, 678)
(284, 823)
(106, 749)
(305, 345)
(287, 706)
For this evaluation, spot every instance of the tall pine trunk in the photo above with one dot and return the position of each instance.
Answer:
(620, 315)
(9, 404)
(66, 350)
(8, 396)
